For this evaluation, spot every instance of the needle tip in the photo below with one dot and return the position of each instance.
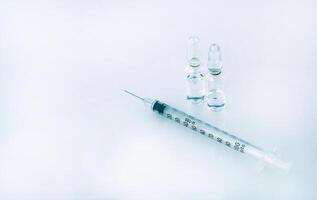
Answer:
(133, 94)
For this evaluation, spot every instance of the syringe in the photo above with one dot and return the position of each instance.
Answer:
(214, 133)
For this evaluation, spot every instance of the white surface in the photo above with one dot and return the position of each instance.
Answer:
(69, 132)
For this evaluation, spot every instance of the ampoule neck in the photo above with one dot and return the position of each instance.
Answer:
(192, 69)
(194, 62)
(214, 72)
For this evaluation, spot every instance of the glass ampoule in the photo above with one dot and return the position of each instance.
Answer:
(215, 96)
(195, 80)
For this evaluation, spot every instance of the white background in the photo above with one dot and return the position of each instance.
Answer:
(67, 130)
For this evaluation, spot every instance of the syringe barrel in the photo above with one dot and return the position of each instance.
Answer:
(203, 128)
(218, 135)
